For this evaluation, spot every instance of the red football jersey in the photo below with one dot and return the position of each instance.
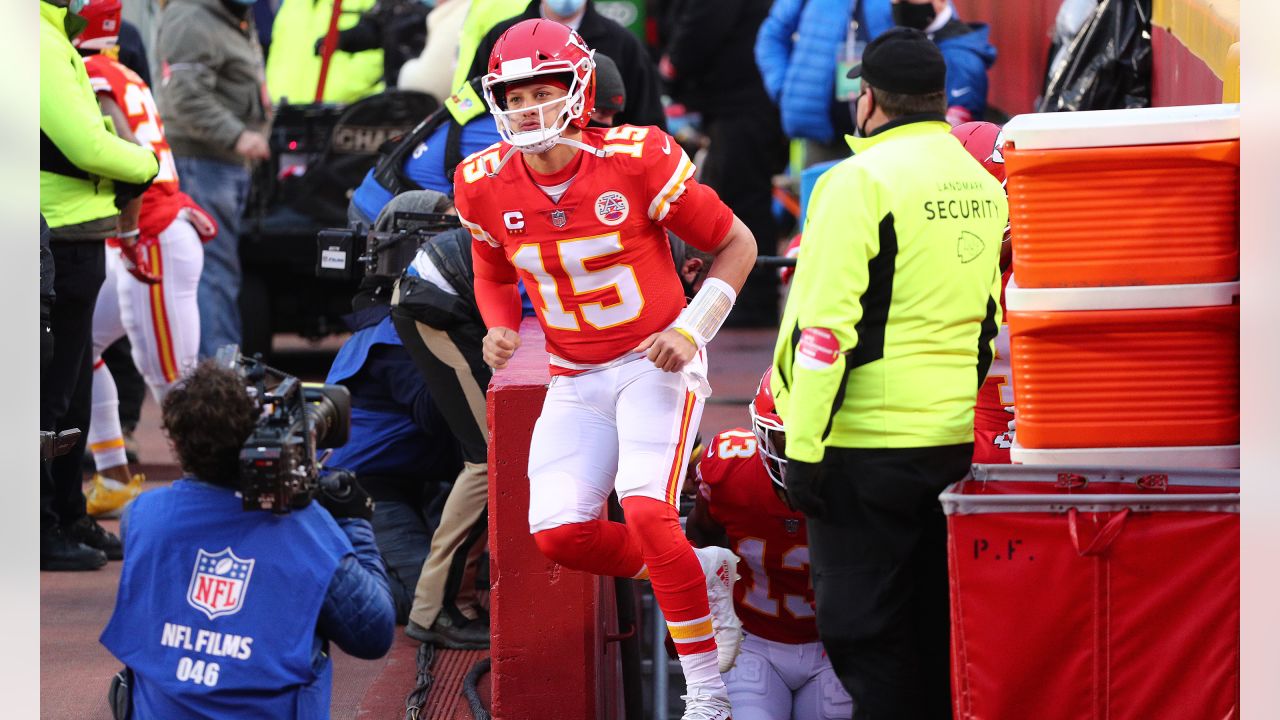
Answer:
(597, 263)
(991, 436)
(163, 200)
(774, 597)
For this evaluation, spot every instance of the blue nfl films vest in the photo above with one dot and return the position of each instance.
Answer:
(217, 607)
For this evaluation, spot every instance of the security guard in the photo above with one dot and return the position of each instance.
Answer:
(886, 337)
(87, 176)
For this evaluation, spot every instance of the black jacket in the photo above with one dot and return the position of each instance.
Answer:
(639, 75)
(711, 44)
(397, 27)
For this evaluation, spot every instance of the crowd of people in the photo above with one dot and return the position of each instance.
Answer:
(812, 582)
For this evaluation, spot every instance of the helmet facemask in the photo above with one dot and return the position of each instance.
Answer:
(771, 439)
(571, 107)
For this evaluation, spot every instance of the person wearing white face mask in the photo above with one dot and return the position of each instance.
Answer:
(639, 73)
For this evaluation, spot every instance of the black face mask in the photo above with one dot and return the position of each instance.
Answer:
(912, 15)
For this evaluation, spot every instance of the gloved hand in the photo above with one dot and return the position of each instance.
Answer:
(319, 48)
(803, 481)
(793, 251)
(342, 496)
(205, 226)
(136, 255)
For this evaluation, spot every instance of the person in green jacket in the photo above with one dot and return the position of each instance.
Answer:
(887, 336)
(87, 174)
(293, 65)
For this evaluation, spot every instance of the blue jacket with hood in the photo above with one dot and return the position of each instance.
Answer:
(968, 53)
(796, 51)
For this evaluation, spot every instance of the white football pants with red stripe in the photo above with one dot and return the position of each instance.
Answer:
(780, 681)
(629, 427)
(161, 321)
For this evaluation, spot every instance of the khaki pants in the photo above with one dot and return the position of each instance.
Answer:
(452, 367)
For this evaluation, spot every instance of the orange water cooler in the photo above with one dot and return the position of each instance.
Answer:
(1123, 311)
(1099, 578)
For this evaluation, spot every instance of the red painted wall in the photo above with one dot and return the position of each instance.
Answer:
(550, 624)
(1179, 77)
(1020, 31)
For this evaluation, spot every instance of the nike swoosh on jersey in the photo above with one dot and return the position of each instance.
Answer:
(666, 147)
(961, 91)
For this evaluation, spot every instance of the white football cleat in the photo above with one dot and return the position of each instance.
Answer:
(706, 707)
(720, 566)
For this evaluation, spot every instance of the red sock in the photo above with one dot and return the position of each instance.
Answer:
(678, 583)
(600, 547)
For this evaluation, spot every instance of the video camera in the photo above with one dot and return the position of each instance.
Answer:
(350, 254)
(278, 466)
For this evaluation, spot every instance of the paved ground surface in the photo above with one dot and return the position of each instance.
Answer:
(75, 670)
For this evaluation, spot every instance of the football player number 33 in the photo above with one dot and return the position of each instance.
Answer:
(585, 261)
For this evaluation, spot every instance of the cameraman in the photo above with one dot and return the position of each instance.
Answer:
(222, 609)
(400, 447)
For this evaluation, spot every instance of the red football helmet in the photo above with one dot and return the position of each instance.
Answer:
(531, 49)
(103, 29)
(769, 430)
(983, 140)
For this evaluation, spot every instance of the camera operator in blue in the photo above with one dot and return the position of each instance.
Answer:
(401, 446)
(224, 612)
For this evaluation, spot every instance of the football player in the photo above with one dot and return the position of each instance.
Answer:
(994, 409)
(150, 290)
(783, 671)
(579, 214)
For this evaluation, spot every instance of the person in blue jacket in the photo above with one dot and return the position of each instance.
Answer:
(797, 50)
(965, 48)
(401, 446)
(426, 157)
(224, 612)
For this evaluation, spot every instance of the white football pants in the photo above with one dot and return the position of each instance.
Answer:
(777, 681)
(161, 321)
(629, 427)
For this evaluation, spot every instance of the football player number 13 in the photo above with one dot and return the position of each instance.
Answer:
(574, 256)
(751, 550)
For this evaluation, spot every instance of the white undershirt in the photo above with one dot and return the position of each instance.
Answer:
(555, 192)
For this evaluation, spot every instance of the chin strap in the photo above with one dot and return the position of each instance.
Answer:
(598, 152)
(498, 168)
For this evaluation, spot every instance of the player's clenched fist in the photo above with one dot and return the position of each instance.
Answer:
(499, 345)
(669, 350)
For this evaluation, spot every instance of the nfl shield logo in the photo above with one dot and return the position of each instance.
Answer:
(792, 525)
(219, 582)
(558, 218)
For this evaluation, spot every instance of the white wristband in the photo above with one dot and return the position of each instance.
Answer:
(704, 316)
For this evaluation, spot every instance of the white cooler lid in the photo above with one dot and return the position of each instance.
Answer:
(1112, 128)
(1210, 456)
(1130, 297)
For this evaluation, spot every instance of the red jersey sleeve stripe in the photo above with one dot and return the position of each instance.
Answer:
(672, 190)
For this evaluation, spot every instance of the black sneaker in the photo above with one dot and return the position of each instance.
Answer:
(58, 552)
(470, 635)
(87, 530)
